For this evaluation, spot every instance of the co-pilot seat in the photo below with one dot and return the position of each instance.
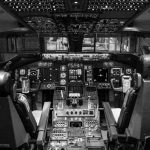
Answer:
(18, 125)
(29, 118)
(120, 118)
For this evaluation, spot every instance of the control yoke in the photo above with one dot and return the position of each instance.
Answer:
(117, 89)
(126, 84)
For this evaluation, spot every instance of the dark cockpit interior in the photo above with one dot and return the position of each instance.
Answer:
(74, 74)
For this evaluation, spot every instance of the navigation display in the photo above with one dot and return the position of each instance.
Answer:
(88, 45)
(100, 74)
(56, 44)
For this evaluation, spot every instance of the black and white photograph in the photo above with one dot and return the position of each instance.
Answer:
(74, 74)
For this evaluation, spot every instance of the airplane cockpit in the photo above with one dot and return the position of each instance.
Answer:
(74, 74)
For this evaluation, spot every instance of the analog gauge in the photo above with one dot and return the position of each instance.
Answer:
(22, 72)
(49, 86)
(63, 75)
(129, 71)
(62, 82)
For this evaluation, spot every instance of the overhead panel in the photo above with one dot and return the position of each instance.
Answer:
(75, 16)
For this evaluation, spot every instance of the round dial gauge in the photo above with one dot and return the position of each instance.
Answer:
(62, 82)
(63, 75)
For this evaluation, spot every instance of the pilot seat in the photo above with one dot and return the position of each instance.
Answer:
(118, 119)
(20, 128)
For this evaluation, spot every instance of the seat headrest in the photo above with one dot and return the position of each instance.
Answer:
(6, 84)
(137, 78)
(4, 77)
(144, 66)
(23, 99)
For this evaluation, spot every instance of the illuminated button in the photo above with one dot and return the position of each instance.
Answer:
(71, 71)
(79, 71)
(22, 71)
(63, 68)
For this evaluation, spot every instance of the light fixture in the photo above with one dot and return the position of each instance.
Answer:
(135, 29)
(75, 2)
(20, 29)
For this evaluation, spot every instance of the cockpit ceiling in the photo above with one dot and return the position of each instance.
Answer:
(75, 16)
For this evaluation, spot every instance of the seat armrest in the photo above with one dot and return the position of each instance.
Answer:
(43, 123)
(108, 114)
(111, 123)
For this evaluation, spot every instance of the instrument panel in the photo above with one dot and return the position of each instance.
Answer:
(61, 70)
(76, 80)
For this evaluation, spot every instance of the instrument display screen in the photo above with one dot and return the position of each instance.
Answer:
(76, 124)
(100, 74)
